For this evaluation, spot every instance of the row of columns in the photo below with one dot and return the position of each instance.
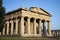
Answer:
(28, 26)
(7, 27)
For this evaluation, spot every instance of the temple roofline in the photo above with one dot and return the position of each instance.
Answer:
(19, 9)
(46, 12)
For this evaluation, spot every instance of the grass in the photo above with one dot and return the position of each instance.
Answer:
(29, 38)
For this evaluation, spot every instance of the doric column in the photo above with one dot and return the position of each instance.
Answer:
(16, 26)
(4, 31)
(34, 26)
(0, 33)
(49, 29)
(7, 27)
(44, 28)
(22, 25)
(28, 21)
(39, 25)
(31, 28)
(11, 26)
(26, 28)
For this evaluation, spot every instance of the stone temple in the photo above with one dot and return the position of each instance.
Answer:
(27, 22)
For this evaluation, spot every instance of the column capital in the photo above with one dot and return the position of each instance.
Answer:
(34, 18)
(48, 21)
(44, 21)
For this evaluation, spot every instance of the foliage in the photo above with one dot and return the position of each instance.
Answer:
(0, 3)
(2, 16)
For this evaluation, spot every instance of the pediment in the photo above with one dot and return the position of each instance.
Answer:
(40, 11)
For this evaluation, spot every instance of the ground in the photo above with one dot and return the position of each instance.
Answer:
(29, 38)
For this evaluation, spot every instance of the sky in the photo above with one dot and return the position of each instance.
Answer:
(51, 6)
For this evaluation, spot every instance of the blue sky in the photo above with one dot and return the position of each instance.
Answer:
(51, 6)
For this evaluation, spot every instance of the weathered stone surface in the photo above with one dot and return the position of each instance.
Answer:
(29, 22)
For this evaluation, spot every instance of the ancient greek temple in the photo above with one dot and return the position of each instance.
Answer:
(27, 22)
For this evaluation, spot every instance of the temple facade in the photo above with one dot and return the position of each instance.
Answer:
(27, 22)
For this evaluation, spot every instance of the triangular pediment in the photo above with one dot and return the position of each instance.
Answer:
(40, 11)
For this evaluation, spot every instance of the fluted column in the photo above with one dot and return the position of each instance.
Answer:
(49, 29)
(22, 25)
(4, 31)
(28, 21)
(34, 26)
(44, 28)
(7, 27)
(39, 25)
(11, 26)
(16, 26)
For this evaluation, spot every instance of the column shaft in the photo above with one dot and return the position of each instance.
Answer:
(49, 30)
(34, 26)
(44, 28)
(7, 27)
(22, 25)
(31, 28)
(16, 26)
(11, 26)
(26, 28)
(40, 27)
(4, 31)
(28, 25)
(0, 33)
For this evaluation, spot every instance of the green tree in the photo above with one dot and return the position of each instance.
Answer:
(2, 16)
(0, 3)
